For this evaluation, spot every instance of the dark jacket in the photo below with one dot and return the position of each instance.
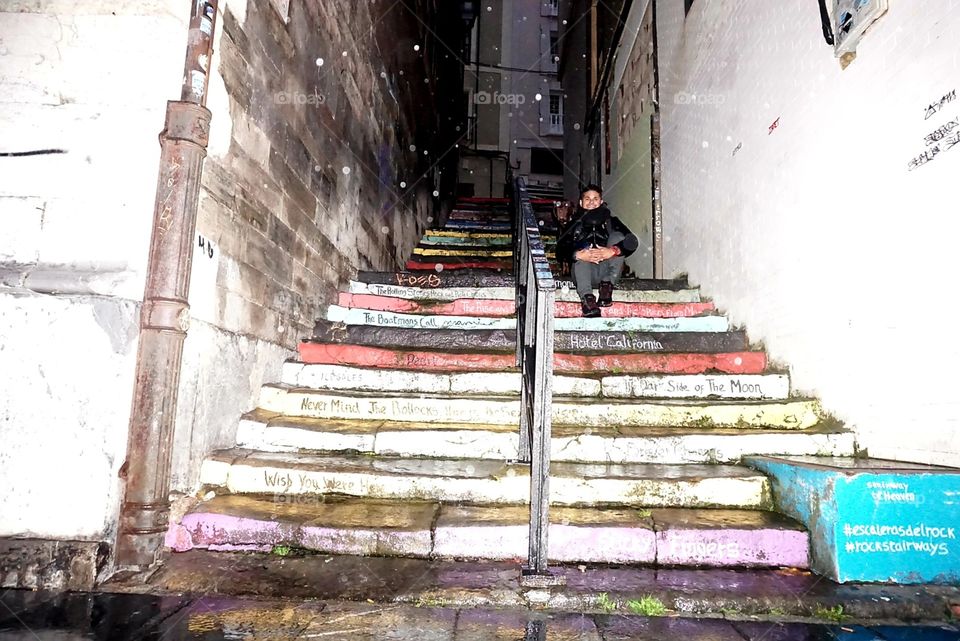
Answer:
(592, 228)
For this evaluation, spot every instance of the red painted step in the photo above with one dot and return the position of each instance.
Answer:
(362, 356)
(503, 308)
(483, 199)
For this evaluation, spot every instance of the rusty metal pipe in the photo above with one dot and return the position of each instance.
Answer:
(165, 313)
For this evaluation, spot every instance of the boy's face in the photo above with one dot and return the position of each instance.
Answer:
(591, 199)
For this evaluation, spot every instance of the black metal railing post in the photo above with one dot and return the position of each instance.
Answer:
(535, 295)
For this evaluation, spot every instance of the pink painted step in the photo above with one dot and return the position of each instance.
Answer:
(336, 525)
(628, 363)
(504, 308)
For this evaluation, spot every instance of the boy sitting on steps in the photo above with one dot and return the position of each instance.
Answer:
(596, 242)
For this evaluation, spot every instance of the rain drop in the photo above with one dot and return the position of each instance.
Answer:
(403, 184)
(489, 8)
(438, 267)
(385, 229)
(413, 147)
(346, 171)
(319, 62)
(344, 54)
(416, 47)
(430, 218)
(538, 97)
(576, 126)
(317, 168)
(705, 144)
(436, 194)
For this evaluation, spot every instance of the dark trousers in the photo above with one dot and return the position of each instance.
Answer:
(588, 276)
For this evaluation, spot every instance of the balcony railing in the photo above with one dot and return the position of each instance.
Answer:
(554, 125)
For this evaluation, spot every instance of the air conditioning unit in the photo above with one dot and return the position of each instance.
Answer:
(851, 18)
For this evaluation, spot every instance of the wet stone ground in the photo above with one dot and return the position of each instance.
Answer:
(39, 616)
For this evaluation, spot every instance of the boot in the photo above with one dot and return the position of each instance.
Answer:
(606, 294)
(589, 306)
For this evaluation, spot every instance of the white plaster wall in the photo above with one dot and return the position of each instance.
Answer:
(816, 235)
(82, 77)
(66, 365)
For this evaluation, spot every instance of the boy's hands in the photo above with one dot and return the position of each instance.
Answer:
(595, 254)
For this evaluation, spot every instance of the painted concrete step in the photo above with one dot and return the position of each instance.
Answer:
(703, 386)
(461, 225)
(270, 432)
(501, 340)
(509, 293)
(366, 527)
(451, 233)
(448, 265)
(563, 363)
(466, 252)
(504, 308)
(338, 377)
(498, 410)
(433, 240)
(479, 215)
(357, 316)
(484, 482)
(497, 279)
(873, 519)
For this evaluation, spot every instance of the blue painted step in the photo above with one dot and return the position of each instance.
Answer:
(872, 520)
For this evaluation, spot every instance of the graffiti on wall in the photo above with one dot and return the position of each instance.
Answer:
(943, 138)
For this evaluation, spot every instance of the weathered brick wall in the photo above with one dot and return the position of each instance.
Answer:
(319, 127)
(313, 128)
(790, 195)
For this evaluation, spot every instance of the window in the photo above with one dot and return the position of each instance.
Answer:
(554, 47)
(546, 161)
(555, 119)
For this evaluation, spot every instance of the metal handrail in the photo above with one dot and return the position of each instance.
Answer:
(535, 295)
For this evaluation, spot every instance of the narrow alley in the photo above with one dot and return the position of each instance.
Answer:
(500, 319)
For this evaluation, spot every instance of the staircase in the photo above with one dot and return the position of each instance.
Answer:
(395, 433)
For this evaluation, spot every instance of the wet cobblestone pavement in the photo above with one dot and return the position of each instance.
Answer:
(39, 616)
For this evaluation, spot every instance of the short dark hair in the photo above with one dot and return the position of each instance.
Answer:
(591, 187)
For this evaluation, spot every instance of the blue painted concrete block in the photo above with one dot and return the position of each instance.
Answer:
(872, 520)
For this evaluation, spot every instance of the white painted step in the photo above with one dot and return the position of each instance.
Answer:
(360, 316)
(508, 293)
(348, 378)
(269, 432)
(485, 482)
(794, 414)
(726, 386)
